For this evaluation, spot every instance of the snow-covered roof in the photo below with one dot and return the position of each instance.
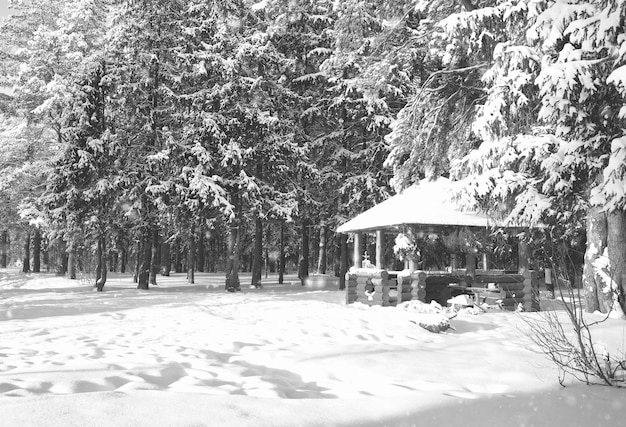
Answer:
(427, 203)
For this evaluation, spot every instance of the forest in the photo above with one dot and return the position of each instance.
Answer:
(161, 136)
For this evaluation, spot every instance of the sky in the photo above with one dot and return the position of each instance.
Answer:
(4, 7)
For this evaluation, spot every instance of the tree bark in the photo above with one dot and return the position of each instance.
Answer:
(45, 247)
(60, 261)
(98, 259)
(321, 263)
(595, 285)
(166, 260)
(343, 260)
(71, 263)
(102, 263)
(232, 263)
(138, 248)
(154, 256)
(191, 256)
(616, 248)
(178, 263)
(257, 259)
(143, 279)
(26, 260)
(266, 257)
(281, 255)
(303, 265)
(37, 251)
(200, 255)
(4, 248)
(123, 257)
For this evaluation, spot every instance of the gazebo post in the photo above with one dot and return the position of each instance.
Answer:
(380, 249)
(485, 254)
(470, 264)
(523, 257)
(485, 261)
(358, 253)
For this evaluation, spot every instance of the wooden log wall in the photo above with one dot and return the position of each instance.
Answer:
(368, 286)
(405, 289)
(350, 287)
(513, 289)
(531, 291)
(418, 286)
(516, 289)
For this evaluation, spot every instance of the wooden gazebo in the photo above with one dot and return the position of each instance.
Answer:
(430, 207)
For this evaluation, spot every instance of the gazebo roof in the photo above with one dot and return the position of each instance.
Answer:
(428, 203)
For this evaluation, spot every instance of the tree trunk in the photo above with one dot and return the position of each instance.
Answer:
(123, 258)
(71, 264)
(616, 245)
(154, 256)
(281, 255)
(102, 263)
(178, 263)
(303, 265)
(267, 255)
(232, 263)
(138, 248)
(26, 261)
(343, 260)
(191, 256)
(257, 258)
(37, 251)
(321, 264)
(166, 261)
(595, 284)
(60, 261)
(4, 248)
(200, 251)
(45, 247)
(143, 279)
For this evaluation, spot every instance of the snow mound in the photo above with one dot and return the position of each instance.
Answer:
(431, 317)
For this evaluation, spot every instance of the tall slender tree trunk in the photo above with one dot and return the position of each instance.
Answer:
(200, 252)
(138, 249)
(26, 260)
(232, 263)
(321, 259)
(266, 258)
(123, 257)
(595, 283)
(60, 257)
(102, 263)
(303, 265)
(98, 260)
(191, 256)
(343, 261)
(143, 280)
(37, 251)
(154, 256)
(166, 260)
(257, 257)
(71, 260)
(281, 255)
(4, 249)
(45, 246)
(616, 248)
(336, 255)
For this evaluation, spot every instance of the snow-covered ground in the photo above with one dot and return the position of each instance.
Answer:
(286, 355)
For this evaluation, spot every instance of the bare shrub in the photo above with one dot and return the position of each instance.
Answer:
(565, 337)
